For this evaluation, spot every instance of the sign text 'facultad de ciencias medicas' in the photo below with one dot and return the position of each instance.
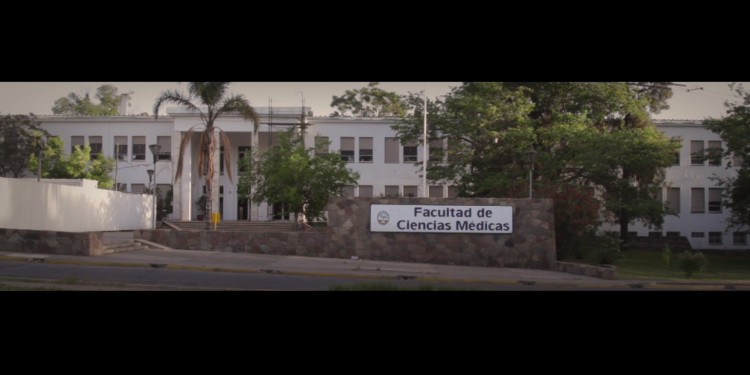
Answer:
(441, 219)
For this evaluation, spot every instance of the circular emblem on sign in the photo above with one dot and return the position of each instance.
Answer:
(383, 217)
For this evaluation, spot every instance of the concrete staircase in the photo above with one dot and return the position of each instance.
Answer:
(238, 226)
(115, 242)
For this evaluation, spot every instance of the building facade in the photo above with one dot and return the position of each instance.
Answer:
(386, 168)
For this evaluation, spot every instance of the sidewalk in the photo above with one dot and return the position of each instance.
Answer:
(364, 268)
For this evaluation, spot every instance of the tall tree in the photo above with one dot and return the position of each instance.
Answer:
(20, 136)
(370, 101)
(74, 104)
(489, 127)
(214, 101)
(734, 130)
(302, 183)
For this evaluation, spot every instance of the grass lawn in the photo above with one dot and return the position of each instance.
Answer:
(649, 265)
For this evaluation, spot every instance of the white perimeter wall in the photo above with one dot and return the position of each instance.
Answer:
(80, 207)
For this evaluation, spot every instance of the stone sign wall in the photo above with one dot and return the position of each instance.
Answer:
(530, 245)
(525, 235)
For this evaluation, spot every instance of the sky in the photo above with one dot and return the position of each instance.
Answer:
(690, 100)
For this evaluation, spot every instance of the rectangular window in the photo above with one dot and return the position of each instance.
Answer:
(673, 199)
(696, 153)
(452, 192)
(165, 152)
(714, 147)
(391, 191)
(436, 151)
(137, 188)
(697, 234)
(139, 147)
(410, 152)
(673, 234)
(739, 238)
(436, 191)
(365, 191)
(365, 149)
(697, 201)
(321, 145)
(410, 191)
(221, 161)
(95, 142)
(121, 147)
(243, 152)
(76, 140)
(714, 238)
(121, 187)
(714, 200)
(654, 234)
(659, 195)
(347, 191)
(347, 149)
(391, 150)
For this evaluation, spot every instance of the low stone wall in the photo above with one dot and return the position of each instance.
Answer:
(50, 242)
(278, 243)
(602, 272)
(531, 245)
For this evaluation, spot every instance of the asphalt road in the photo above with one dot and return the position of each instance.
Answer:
(16, 275)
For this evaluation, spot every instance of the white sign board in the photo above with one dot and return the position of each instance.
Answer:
(441, 219)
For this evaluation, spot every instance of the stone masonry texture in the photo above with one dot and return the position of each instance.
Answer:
(531, 245)
(50, 242)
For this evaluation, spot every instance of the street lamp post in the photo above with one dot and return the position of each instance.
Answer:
(155, 148)
(530, 154)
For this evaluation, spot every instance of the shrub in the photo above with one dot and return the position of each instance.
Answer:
(604, 250)
(692, 262)
(666, 256)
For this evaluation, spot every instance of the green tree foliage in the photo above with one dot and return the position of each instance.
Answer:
(628, 165)
(78, 164)
(595, 134)
(734, 130)
(370, 101)
(74, 104)
(20, 136)
(288, 174)
(214, 101)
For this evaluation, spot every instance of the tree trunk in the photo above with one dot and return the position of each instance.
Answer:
(624, 219)
(209, 177)
(623, 214)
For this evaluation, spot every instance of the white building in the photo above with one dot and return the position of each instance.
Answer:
(386, 168)
(692, 195)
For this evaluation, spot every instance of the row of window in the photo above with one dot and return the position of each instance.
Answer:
(141, 188)
(121, 146)
(714, 238)
(697, 200)
(698, 154)
(395, 191)
(391, 149)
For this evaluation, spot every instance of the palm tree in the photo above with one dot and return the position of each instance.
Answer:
(212, 96)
